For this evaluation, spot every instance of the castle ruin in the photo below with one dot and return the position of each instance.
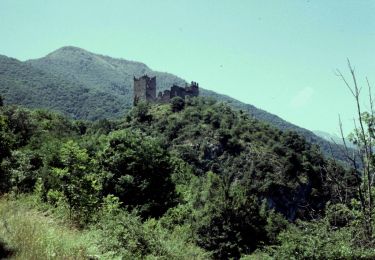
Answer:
(145, 90)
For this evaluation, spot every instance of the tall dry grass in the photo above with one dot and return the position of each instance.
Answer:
(30, 234)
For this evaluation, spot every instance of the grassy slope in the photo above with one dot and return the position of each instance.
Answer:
(27, 233)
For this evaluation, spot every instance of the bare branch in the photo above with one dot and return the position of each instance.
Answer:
(339, 74)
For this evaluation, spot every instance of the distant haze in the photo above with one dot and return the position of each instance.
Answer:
(277, 55)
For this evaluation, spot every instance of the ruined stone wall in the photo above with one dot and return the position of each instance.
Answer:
(139, 89)
(164, 97)
(192, 90)
(177, 91)
(145, 89)
(151, 89)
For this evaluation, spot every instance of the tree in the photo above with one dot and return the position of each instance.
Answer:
(139, 172)
(141, 112)
(20, 122)
(177, 104)
(363, 160)
(6, 145)
(77, 182)
(230, 222)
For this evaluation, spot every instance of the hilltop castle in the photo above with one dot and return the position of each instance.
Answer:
(145, 90)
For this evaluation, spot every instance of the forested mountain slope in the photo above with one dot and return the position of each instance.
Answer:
(26, 85)
(189, 179)
(92, 86)
(96, 71)
(327, 147)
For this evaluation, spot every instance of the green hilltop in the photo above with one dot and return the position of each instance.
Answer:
(89, 86)
(193, 179)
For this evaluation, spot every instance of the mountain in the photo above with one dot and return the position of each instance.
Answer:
(333, 138)
(98, 72)
(86, 85)
(26, 85)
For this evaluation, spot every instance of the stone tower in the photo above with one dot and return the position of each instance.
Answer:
(144, 89)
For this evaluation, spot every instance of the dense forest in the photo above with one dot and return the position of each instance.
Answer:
(89, 86)
(193, 179)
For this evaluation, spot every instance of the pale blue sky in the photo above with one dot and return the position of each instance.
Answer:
(277, 55)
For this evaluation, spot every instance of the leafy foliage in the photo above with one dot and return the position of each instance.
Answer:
(198, 180)
(90, 86)
(77, 180)
(138, 172)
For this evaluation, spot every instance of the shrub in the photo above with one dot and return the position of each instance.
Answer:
(177, 104)
(139, 172)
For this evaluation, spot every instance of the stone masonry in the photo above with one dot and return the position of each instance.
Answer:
(145, 90)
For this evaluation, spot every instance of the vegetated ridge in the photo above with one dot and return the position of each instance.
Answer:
(90, 86)
(189, 179)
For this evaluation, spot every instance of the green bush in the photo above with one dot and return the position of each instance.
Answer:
(121, 234)
(177, 104)
(139, 172)
(318, 240)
